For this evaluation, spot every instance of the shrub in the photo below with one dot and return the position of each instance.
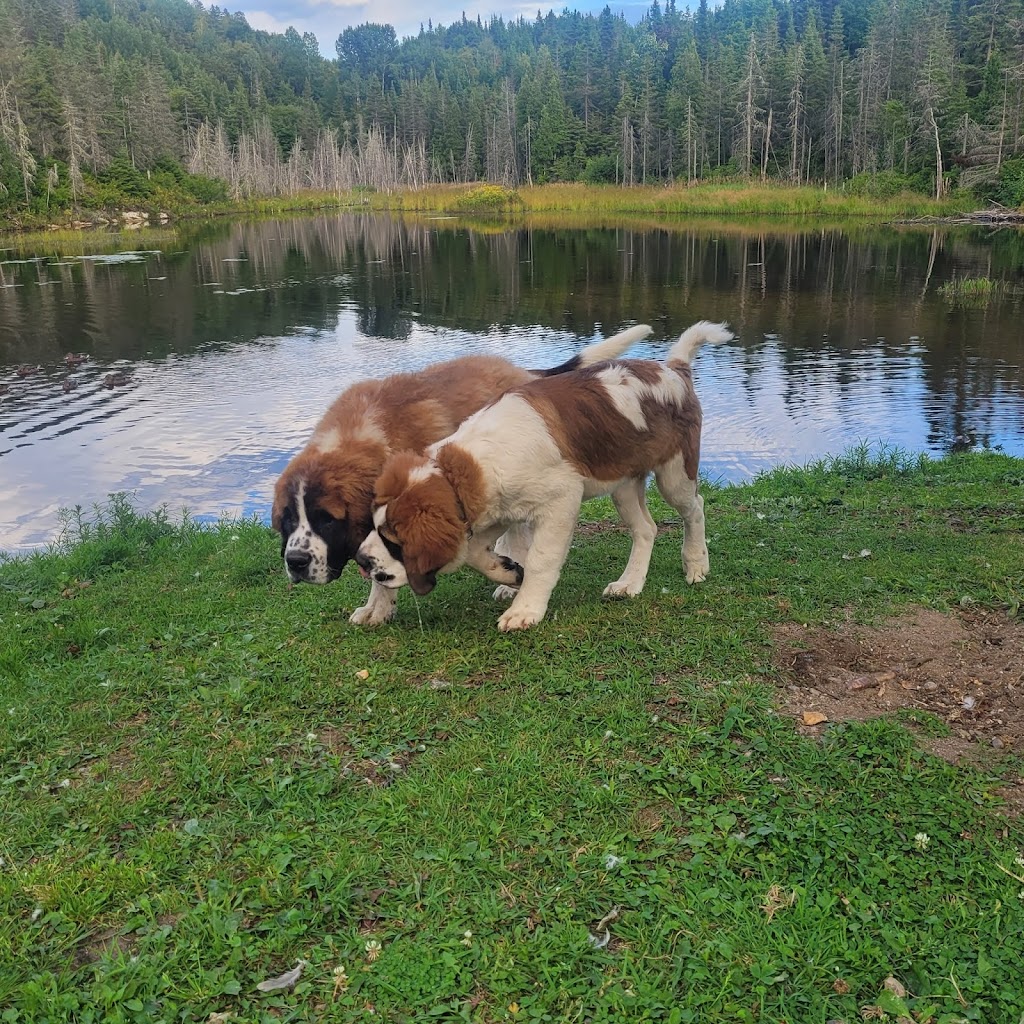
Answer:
(488, 198)
(1010, 189)
(887, 184)
(600, 170)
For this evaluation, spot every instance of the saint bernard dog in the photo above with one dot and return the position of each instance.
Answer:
(532, 457)
(322, 501)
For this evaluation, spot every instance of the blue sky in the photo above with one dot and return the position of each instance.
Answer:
(327, 18)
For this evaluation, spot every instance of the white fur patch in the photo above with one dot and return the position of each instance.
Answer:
(628, 392)
(623, 389)
(330, 438)
(384, 570)
(326, 440)
(303, 539)
(419, 473)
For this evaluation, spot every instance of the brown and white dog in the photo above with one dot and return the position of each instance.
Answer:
(322, 501)
(532, 457)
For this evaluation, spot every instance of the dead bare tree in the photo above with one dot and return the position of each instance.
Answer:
(749, 122)
(15, 135)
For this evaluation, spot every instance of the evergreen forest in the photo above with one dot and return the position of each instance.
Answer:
(162, 102)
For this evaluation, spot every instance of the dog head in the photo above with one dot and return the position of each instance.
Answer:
(419, 526)
(322, 509)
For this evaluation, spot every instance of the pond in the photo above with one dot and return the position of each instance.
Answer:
(212, 356)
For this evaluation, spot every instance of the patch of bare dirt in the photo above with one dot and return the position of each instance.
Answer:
(966, 668)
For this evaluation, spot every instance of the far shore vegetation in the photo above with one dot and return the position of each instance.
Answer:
(499, 204)
(799, 107)
(791, 793)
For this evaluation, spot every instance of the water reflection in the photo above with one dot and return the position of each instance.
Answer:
(235, 339)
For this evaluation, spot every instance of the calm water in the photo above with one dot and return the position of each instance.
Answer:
(237, 338)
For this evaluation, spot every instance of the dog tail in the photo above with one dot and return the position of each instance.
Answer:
(600, 350)
(682, 352)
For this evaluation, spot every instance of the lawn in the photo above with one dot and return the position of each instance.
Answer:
(207, 776)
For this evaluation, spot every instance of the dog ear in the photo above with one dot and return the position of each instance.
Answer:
(280, 503)
(463, 472)
(334, 506)
(430, 530)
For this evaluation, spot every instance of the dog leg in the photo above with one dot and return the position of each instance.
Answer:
(379, 608)
(515, 543)
(552, 538)
(681, 493)
(499, 568)
(631, 502)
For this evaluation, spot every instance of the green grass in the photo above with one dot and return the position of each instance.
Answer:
(975, 291)
(198, 788)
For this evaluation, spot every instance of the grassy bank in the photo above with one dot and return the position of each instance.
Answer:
(728, 199)
(698, 200)
(208, 776)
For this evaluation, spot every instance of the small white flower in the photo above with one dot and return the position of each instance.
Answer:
(467, 938)
(310, 736)
(341, 980)
(921, 840)
(372, 950)
(1019, 860)
(608, 734)
(64, 783)
(37, 913)
(611, 862)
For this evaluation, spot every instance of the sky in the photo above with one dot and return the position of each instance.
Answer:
(328, 18)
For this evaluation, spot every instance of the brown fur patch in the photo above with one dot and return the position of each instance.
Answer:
(603, 444)
(424, 517)
(463, 472)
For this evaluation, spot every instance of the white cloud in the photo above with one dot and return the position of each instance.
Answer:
(327, 19)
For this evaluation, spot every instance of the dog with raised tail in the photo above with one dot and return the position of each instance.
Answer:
(322, 500)
(531, 458)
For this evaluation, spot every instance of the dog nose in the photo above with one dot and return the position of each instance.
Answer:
(298, 560)
(363, 561)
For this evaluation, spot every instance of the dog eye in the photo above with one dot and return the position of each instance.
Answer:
(322, 518)
(287, 521)
(393, 548)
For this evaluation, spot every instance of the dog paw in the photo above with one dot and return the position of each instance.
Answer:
(623, 589)
(697, 573)
(518, 619)
(368, 615)
(504, 593)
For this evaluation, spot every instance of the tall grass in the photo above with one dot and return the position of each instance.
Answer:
(975, 291)
(720, 198)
